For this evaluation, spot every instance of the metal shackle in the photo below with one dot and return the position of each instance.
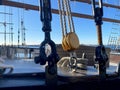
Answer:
(47, 53)
(100, 54)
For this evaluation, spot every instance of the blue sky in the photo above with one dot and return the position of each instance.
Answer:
(85, 28)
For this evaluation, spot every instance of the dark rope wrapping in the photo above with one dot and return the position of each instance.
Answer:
(46, 15)
(46, 18)
(100, 52)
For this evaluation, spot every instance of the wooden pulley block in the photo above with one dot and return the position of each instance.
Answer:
(64, 44)
(72, 40)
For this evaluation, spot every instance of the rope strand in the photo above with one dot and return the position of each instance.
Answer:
(67, 13)
(71, 19)
(64, 12)
(64, 18)
(61, 17)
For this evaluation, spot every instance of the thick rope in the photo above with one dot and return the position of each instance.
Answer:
(71, 19)
(18, 28)
(61, 17)
(11, 26)
(5, 26)
(67, 13)
(63, 13)
(64, 18)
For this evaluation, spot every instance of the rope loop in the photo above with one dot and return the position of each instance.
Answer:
(45, 6)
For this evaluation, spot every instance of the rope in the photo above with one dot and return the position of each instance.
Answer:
(67, 43)
(64, 18)
(71, 19)
(22, 31)
(45, 10)
(65, 6)
(61, 17)
(22, 10)
(39, 6)
(67, 13)
(10, 27)
(21, 26)
(18, 27)
(5, 26)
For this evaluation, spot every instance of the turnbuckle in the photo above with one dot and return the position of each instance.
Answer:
(97, 12)
(47, 50)
(46, 15)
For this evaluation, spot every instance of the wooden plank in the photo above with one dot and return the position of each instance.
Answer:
(104, 4)
(55, 11)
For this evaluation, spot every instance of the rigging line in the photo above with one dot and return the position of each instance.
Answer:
(41, 10)
(10, 26)
(49, 11)
(22, 10)
(18, 27)
(39, 6)
(11, 29)
(24, 36)
(23, 27)
(5, 26)
(21, 30)
(71, 19)
(61, 18)
(67, 13)
(64, 18)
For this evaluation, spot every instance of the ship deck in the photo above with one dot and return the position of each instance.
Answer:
(28, 66)
(27, 74)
